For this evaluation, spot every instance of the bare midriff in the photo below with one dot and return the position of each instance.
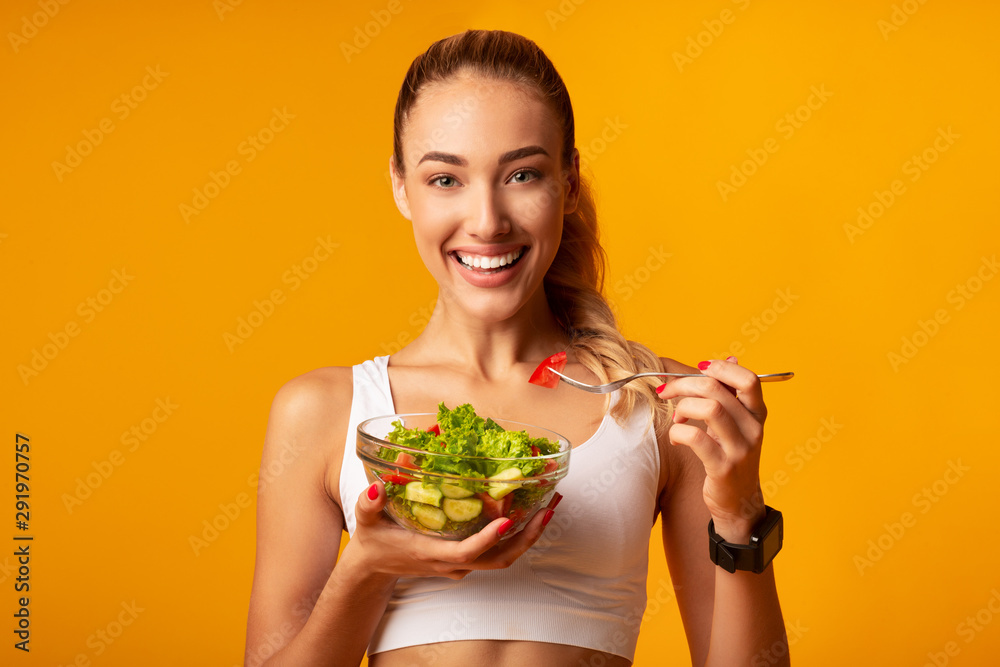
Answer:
(496, 654)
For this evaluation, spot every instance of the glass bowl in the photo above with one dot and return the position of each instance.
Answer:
(451, 506)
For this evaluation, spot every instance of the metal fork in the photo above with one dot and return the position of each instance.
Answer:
(617, 384)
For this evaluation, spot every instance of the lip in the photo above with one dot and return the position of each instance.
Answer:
(498, 279)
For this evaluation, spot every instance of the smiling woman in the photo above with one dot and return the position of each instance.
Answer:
(485, 167)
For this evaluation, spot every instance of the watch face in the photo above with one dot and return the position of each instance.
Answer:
(772, 541)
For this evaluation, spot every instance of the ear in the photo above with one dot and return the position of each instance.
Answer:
(399, 189)
(573, 183)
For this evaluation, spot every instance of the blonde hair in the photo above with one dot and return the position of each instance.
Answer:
(574, 283)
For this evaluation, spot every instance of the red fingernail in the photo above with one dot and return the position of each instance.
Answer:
(556, 500)
(661, 387)
(547, 517)
(504, 527)
(732, 359)
(702, 365)
(373, 492)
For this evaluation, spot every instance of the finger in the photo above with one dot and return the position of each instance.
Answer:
(709, 387)
(704, 447)
(368, 509)
(504, 554)
(724, 429)
(745, 381)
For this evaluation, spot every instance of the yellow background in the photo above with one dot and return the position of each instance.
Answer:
(661, 136)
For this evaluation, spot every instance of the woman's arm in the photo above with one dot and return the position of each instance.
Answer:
(729, 619)
(303, 610)
(300, 605)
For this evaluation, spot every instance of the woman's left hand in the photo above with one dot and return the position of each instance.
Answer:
(730, 402)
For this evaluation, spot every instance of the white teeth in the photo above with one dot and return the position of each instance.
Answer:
(489, 262)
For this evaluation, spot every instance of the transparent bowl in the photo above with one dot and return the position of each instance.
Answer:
(451, 506)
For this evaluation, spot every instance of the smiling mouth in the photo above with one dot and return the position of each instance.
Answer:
(489, 264)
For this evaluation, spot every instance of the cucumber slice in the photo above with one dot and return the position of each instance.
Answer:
(462, 509)
(429, 516)
(418, 493)
(507, 476)
(452, 491)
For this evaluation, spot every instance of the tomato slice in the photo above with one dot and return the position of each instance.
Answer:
(535, 451)
(398, 479)
(493, 508)
(542, 377)
(406, 460)
(436, 430)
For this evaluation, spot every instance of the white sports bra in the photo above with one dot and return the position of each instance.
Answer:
(582, 584)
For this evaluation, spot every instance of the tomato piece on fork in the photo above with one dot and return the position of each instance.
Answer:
(542, 375)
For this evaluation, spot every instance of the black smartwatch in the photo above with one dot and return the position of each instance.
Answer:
(765, 543)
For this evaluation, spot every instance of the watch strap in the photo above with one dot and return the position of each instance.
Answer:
(765, 542)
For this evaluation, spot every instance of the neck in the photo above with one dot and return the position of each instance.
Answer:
(488, 349)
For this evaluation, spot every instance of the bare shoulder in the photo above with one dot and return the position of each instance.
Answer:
(309, 415)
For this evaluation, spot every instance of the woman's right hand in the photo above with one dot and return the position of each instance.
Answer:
(381, 546)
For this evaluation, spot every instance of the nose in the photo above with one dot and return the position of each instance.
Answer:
(487, 218)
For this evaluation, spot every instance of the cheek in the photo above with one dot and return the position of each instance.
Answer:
(540, 206)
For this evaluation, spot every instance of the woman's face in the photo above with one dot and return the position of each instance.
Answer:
(486, 191)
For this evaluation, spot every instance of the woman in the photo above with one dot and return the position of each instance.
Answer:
(485, 168)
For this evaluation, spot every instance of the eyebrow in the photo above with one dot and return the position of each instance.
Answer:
(509, 156)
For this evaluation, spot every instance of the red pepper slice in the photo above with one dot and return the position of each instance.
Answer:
(542, 377)
(436, 430)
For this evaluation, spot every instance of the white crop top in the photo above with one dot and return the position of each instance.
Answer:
(582, 584)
